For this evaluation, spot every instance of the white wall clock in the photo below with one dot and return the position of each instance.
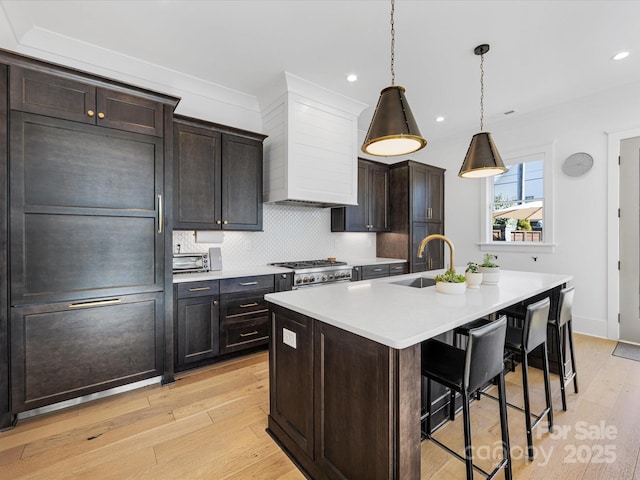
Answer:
(577, 164)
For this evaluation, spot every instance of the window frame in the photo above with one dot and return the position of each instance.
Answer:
(487, 243)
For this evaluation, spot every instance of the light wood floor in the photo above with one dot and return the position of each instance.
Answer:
(211, 424)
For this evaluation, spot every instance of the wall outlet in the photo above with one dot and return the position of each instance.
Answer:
(289, 338)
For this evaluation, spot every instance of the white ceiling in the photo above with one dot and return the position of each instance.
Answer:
(542, 52)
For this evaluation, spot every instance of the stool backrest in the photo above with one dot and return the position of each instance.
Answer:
(534, 330)
(484, 357)
(565, 305)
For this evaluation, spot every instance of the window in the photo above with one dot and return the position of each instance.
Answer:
(518, 214)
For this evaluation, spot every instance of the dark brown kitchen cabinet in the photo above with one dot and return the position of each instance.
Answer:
(86, 208)
(217, 177)
(416, 210)
(283, 282)
(367, 272)
(65, 350)
(90, 294)
(244, 313)
(197, 322)
(372, 212)
(73, 99)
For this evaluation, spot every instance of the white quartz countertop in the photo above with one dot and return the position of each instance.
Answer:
(269, 270)
(400, 316)
(230, 273)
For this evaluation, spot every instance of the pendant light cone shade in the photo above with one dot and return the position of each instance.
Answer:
(393, 130)
(482, 159)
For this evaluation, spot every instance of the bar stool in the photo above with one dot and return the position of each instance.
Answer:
(564, 321)
(522, 341)
(465, 371)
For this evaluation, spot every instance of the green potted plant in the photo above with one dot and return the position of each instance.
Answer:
(450, 282)
(473, 275)
(490, 270)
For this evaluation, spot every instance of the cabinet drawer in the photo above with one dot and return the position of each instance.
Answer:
(238, 307)
(242, 284)
(198, 289)
(398, 268)
(375, 271)
(237, 335)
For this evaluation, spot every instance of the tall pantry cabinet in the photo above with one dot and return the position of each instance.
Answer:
(416, 210)
(89, 167)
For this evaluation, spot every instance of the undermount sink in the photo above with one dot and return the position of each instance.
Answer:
(419, 282)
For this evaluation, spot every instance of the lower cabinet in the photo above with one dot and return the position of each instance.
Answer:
(216, 317)
(198, 322)
(368, 272)
(343, 406)
(66, 350)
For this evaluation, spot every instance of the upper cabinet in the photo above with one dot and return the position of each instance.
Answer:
(372, 212)
(70, 98)
(217, 177)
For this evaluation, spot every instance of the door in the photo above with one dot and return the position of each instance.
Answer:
(629, 240)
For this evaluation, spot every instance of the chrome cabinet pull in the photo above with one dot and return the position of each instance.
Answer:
(159, 213)
(247, 305)
(377, 269)
(246, 284)
(95, 303)
(199, 289)
(255, 332)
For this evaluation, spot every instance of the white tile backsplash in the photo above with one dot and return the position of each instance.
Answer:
(290, 233)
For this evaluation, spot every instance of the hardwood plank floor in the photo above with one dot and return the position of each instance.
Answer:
(211, 423)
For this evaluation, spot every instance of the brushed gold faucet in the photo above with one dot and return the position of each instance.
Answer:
(435, 236)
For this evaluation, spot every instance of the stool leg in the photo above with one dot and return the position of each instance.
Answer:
(504, 426)
(452, 405)
(527, 406)
(428, 419)
(558, 335)
(547, 385)
(468, 454)
(573, 358)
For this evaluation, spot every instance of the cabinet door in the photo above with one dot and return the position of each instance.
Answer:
(378, 198)
(283, 282)
(129, 112)
(85, 204)
(433, 256)
(52, 95)
(291, 378)
(427, 190)
(374, 271)
(241, 183)
(198, 329)
(197, 181)
(66, 350)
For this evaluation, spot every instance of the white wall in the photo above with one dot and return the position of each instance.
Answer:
(580, 204)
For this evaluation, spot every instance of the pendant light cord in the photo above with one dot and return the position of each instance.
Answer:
(393, 44)
(481, 92)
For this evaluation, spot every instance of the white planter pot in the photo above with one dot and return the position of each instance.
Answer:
(473, 279)
(490, 275)
(451, 288)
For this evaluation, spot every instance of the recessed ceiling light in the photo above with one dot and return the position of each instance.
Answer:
(439, 119)
(621, 55)
(352, 77)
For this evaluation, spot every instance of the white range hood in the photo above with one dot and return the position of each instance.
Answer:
(311, 152)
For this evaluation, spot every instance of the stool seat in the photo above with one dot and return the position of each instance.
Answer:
(449, 369)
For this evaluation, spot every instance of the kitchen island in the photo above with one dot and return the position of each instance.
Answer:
(344, 367)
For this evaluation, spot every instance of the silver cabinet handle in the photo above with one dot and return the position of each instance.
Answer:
(377, 269)
(218, 222)
(246, 284)
(247, 305)
(255, 332)
(226, 222)
(96, 303)
(159, 213)
(199, 289)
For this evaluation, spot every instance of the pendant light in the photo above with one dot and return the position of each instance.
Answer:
(393, 130)
(483, 158)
